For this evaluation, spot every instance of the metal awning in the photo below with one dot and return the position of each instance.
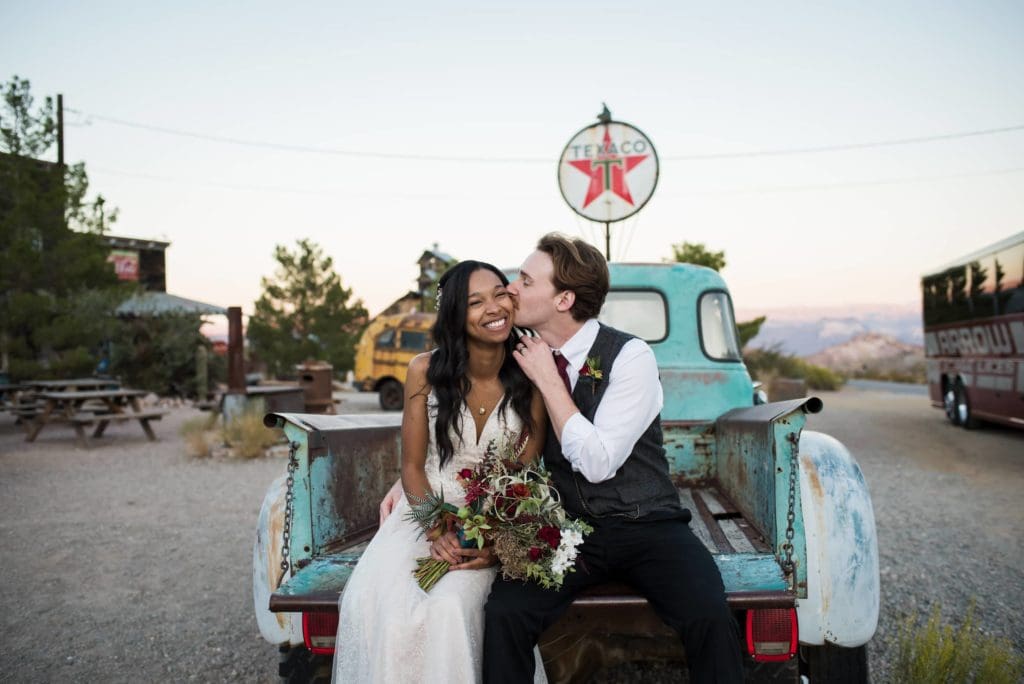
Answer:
(162, 303)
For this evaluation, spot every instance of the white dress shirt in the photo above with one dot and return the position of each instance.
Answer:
(633, 398)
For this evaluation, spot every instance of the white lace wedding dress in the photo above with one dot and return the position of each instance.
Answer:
(389, 630)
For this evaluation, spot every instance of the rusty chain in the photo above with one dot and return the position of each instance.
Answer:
(787, 547)
(289, 504)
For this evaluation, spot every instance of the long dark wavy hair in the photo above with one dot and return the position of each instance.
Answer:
(449, 362)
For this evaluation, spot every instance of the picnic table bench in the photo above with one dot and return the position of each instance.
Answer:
(70, 407)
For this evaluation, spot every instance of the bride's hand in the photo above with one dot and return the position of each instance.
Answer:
(390, 500)
(476, 559)
(447, 548)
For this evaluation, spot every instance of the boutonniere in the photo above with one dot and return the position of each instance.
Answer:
(592, 369)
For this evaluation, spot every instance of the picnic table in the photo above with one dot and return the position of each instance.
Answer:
(73, 384)
(26, 403)
(69, 406)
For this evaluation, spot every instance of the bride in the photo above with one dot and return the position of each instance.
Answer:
(458, 398)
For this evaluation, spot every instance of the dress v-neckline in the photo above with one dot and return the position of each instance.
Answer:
(477, 434)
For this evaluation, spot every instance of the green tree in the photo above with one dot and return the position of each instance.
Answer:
(697, 253)
(50, 252)
(305, 313)
(748, 330)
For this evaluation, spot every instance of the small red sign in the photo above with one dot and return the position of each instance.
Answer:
(126, 264)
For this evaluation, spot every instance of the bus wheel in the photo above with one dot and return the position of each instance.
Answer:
(963, 407)
(391, 395)
(949, 404)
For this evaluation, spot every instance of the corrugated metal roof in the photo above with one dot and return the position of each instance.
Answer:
(161, 303)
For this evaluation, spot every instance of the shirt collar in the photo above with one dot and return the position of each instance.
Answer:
(576, 348)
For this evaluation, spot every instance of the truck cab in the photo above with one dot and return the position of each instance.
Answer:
(784, 511)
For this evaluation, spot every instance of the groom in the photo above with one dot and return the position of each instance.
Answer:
(604, 451)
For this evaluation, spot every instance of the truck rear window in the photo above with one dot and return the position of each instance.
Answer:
(717, 327)
(639, 312)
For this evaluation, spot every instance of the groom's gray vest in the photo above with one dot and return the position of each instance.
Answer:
(641, 488)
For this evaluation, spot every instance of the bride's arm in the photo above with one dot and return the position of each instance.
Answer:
(535, 447)
(414, 429)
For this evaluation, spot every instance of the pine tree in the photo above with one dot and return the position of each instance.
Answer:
(304, 313)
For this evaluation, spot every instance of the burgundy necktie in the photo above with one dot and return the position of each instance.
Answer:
(562, 363)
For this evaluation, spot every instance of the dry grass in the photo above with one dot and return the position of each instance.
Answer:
(934, 652)
(199, 439)
(248, 437)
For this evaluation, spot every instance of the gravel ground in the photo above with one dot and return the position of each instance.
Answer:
(132, 562)
(949, 512)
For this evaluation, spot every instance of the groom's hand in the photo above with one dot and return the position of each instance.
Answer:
(476, 559)
(534, 356)
(390, 500)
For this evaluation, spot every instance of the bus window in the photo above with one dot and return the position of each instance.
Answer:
(982, 287)
(413, 340)
(386, 340)
(1011, 284)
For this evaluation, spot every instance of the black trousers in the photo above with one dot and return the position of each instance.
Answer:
(662, 560)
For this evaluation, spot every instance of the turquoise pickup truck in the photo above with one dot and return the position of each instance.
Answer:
(785, 511)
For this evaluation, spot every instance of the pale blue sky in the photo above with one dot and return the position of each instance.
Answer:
(516, 81)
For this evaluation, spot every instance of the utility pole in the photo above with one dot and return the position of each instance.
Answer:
(60, 129)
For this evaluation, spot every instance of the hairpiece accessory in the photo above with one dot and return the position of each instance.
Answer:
(437, 299)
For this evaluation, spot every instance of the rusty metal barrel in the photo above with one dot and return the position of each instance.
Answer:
(315, 379)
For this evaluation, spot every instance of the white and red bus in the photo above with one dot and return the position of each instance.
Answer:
(974, 335)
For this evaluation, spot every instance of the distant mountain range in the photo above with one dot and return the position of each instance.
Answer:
(807, 331)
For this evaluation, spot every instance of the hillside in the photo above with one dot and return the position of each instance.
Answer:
(873, 355)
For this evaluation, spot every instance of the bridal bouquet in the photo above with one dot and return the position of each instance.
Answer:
(512, 506)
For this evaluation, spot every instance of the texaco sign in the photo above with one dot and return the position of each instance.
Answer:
(608, 171)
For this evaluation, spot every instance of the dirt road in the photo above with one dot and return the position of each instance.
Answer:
(132, 562)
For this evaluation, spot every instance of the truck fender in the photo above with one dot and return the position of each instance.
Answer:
(843, 586)
(277, 628)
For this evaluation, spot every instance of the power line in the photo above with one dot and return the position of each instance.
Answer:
(365, 154)
(855, 184)
(848, 146)
(408, 196)
(309, 149)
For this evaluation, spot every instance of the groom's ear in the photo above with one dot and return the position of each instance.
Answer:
(565, 300)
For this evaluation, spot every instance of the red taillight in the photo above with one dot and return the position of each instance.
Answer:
(318, 631)
(772, 634)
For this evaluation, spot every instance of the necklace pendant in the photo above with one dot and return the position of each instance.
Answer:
(482, 409)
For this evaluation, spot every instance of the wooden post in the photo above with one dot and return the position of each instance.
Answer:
(60, 129)
(236, 360)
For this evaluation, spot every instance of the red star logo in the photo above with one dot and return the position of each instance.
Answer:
(608, 171)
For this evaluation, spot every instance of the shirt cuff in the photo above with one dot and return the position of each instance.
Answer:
(575, 436)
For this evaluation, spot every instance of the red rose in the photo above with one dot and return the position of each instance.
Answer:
(521, 490)
(535, 553)
(551, 535)
(465, 473)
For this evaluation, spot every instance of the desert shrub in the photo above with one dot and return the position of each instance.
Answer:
(934, 652)
(766, 364)
(247, 436)
(198, 437)
(821, 378)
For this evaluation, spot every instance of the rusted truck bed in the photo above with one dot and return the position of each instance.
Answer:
(751, 574)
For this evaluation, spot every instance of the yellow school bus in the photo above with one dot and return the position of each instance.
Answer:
(384, 351)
